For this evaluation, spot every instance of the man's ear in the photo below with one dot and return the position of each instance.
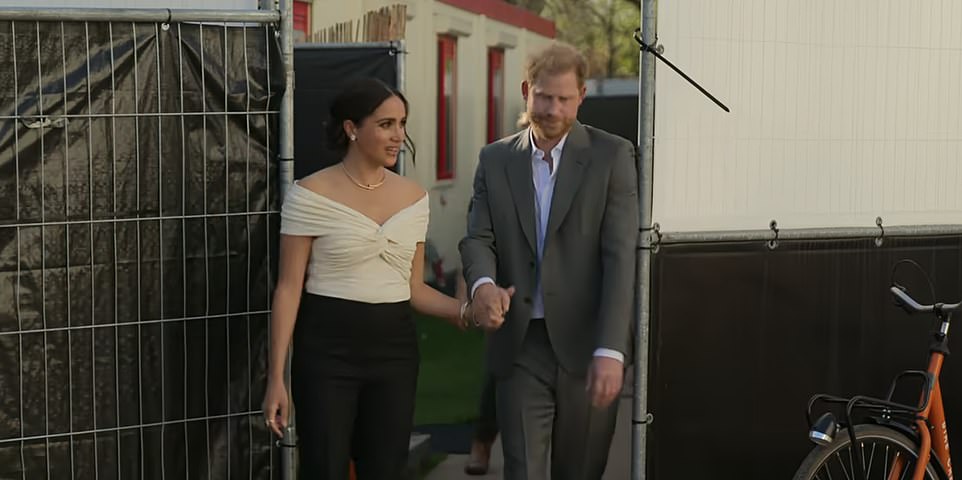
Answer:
(524, 90)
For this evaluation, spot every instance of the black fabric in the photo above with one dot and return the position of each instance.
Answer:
(617, 114)
(94, 146)
(353, 379)
(322, 71)
(742, 336)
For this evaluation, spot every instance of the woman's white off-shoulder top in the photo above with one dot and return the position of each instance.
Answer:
(352, 256)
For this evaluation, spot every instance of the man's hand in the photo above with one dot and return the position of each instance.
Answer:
(605, 376)
(490, 305)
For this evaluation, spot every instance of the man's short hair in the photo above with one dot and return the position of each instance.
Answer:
(553, 59)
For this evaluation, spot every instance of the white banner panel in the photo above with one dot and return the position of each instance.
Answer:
(842, 111)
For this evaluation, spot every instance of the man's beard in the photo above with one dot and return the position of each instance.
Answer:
(550, 130)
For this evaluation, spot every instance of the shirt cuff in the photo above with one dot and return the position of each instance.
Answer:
(609, 353)
(479, 282)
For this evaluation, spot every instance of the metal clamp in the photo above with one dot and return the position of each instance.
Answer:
(654, 237)
(649, 419)
(45, 121)
(657, 50)
(881, 232)
(773, 243)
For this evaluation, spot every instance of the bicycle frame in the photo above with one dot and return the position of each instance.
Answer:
(934, 414)
(931, 413)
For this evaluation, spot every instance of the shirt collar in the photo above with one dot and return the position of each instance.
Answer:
(538, 154)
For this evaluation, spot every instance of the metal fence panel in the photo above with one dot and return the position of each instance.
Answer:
(211, 4)
(137, 220)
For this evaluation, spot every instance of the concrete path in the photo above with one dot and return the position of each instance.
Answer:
(619, 458)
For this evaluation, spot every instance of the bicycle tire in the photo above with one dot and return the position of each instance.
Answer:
(879, 445)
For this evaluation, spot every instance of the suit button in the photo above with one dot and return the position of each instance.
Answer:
(527, 300)
(531, 264)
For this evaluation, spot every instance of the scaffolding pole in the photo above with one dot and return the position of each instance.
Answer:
(646, 129)
(286, 179)
(141, 15)
(879, 233)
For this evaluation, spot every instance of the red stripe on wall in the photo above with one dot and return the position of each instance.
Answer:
(507, 13)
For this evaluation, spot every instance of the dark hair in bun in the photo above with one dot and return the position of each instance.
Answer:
(355, 103)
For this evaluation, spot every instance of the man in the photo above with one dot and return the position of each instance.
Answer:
(550, 260)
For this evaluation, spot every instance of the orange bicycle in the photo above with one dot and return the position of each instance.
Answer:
(880, 438)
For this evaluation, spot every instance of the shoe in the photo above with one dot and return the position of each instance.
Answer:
(479, 459)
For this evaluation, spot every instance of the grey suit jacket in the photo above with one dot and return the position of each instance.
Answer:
(588, 269)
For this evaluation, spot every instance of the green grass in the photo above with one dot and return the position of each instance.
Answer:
(449, 383)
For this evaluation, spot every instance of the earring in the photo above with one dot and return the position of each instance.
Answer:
(353, 137)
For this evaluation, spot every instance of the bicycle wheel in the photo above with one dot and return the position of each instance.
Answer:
(883, 450)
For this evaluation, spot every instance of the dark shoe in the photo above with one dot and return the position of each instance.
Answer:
(479, 459)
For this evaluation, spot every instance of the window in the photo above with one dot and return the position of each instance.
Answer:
(447, 92)
(302, 21)
(495, 94)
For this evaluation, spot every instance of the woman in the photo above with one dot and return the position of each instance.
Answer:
(357, 230)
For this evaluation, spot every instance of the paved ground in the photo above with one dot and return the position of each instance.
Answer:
(619, 460)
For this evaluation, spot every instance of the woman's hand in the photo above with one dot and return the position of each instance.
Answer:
(276, 407)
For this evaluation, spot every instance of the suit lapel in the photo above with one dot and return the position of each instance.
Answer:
(574, 156)
(518, 171)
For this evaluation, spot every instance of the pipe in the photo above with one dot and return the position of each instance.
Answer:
(646, 131)
(142, 15)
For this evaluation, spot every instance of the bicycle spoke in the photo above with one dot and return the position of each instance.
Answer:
(827, 469)
(871, 459)
(851, 459)
(841, 463)
(887, 463)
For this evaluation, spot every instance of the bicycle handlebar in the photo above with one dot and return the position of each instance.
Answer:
(909, 304)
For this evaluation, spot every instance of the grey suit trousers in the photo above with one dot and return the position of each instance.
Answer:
(548, 427)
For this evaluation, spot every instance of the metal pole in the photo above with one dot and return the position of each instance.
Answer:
(646, 131)
(286, 178)
(834, 233)
(134, 15)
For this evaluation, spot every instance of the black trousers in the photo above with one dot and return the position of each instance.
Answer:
(354, 375)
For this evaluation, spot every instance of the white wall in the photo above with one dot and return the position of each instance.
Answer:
(841, 111)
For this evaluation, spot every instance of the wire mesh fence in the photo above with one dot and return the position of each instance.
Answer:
(137, 220)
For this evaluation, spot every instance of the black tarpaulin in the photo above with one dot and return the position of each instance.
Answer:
(742, 336)
(322, 72)
(137, 219)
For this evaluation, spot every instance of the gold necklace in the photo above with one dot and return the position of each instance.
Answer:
(365, 186)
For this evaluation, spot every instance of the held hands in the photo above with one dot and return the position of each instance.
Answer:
(276, 407)
(490, 305)
(605, 376)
